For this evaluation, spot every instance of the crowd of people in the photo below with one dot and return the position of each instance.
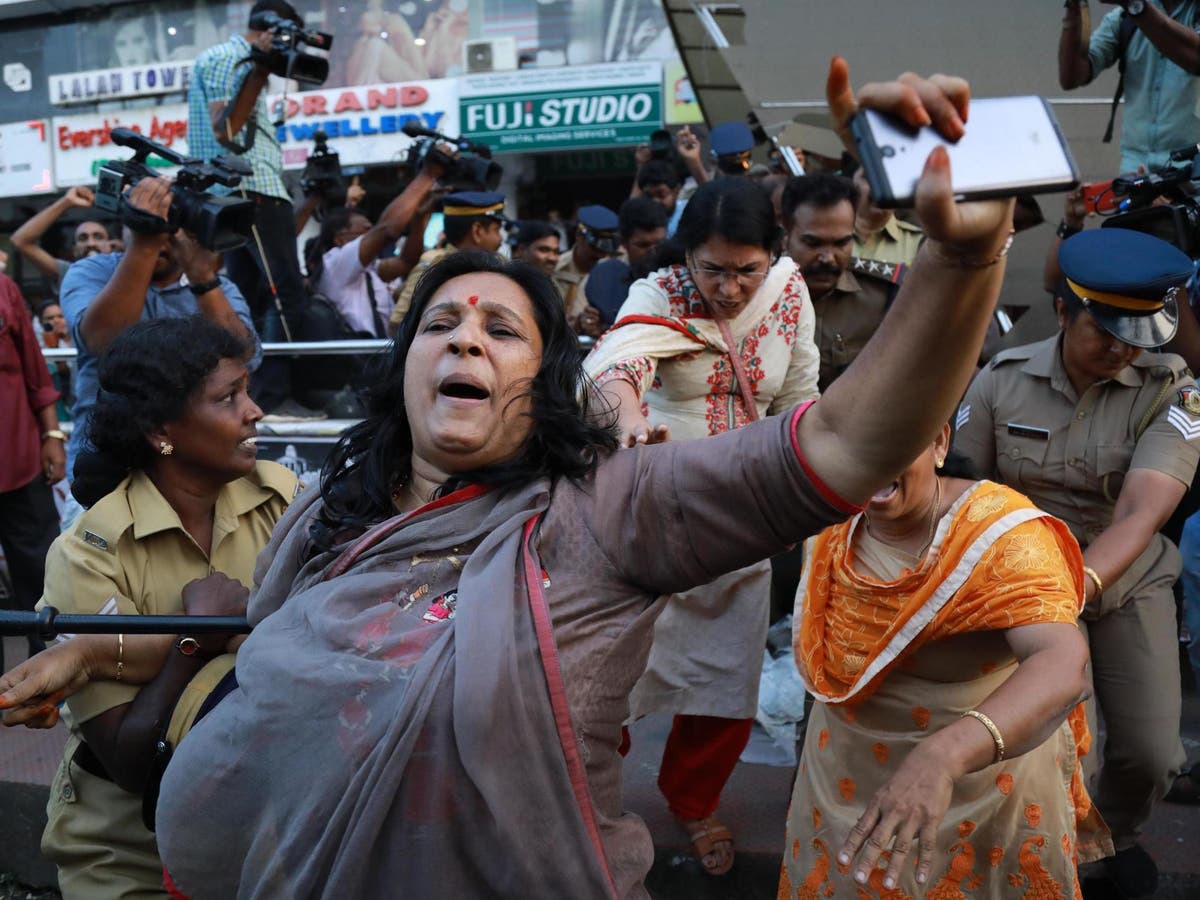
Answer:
(558, 509)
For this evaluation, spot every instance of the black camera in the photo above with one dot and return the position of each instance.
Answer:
(218, 223)
(661, 145)
(287, 58)
(323, 173)
(1178, 221)
(472, 169)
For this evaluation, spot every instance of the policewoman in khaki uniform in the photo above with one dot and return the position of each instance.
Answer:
(1105, 435)
(196, 502)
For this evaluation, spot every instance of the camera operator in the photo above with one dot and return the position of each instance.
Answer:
(158, 276)
(227, 112)
(344, 264)
(1157, 48)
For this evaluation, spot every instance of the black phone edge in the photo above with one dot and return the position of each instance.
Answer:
(872, 163)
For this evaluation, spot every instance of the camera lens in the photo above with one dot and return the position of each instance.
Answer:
(887, 151)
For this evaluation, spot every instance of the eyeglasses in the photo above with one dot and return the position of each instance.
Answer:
(716, 273)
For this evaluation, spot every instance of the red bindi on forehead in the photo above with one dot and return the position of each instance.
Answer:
(473, 300)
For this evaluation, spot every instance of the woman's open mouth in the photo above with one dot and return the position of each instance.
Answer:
(463, 387)
(882, 496)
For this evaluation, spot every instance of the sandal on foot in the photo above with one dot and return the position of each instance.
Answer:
(704, 836)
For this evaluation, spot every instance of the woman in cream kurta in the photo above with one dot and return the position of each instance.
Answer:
(701, 347)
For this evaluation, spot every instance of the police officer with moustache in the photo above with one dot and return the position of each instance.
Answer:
(1106, 436)
(819, 216)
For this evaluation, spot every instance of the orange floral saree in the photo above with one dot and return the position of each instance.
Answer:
(892, 662)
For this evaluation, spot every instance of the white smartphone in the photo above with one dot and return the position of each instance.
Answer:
(1012, 145)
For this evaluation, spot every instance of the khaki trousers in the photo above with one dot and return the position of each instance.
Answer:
(1135, 676)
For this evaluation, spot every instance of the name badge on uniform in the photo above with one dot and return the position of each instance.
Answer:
(1029, 431)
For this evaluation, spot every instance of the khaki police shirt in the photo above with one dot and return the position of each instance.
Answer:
(847, 316)
(404, 298)
(1022, 423)
(896, 242)
(571, 282)
(130, 555)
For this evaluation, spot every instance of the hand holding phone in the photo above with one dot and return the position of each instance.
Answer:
(1012, 145)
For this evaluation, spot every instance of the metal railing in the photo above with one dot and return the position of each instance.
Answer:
(298, 348)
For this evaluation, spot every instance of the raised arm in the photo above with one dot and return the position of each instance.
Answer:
(888, 406)
(397, 214)
(1074, 64)
(1174, 40)
(27, 238)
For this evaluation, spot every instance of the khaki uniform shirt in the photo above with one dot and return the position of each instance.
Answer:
(571, 282)
(404, 298)
(847, 316)
(1022, 423)
(129, 554)
(896, 242)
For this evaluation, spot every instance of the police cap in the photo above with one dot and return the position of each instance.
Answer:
(599, 227)
(475, 203)
(731, 139)
(1129, 281)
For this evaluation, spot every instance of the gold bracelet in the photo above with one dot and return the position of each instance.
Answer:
(997, 738)
(120, 656)
(1091, 573)
(934, 249)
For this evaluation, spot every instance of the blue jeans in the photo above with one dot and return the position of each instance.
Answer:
(1189, 549)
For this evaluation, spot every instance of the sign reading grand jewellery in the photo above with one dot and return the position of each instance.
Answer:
(552, 109)
(363, 124)
(114, 84)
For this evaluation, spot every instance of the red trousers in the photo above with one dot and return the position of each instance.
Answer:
(698, 759)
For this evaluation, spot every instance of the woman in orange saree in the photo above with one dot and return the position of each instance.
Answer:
(937, 633)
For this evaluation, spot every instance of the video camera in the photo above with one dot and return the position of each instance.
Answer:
(1178, 221)
(473, 165)
(218, 223)
(323, 173)
(286, 58)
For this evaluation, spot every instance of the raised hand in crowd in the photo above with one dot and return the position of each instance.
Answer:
(688, 147)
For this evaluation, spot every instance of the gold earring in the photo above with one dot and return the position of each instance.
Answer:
(939, 463)
(166, 448)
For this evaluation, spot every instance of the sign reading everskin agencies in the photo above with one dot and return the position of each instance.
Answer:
(551, 109)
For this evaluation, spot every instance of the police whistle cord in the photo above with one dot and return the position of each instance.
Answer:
(48, 623)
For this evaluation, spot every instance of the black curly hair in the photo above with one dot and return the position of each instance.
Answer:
(148, 376)
(569, 433)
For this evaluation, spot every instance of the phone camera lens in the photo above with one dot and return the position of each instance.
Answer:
(887, 151)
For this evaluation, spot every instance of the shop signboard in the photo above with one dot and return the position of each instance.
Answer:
(363, 123)
(25, 159)
(83, 143)
(679, 100)
(113, 84)
(532, 110)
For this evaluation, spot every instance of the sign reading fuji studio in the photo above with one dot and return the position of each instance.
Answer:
(551, 109)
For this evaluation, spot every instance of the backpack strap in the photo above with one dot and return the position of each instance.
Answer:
(1125, 29)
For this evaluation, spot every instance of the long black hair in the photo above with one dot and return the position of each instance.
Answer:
(736, 209)
(148, 376)
(374, 457)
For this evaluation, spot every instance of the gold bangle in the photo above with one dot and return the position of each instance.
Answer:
(935, 250)
(120, 656)
(1091, 573)
(997, 738)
